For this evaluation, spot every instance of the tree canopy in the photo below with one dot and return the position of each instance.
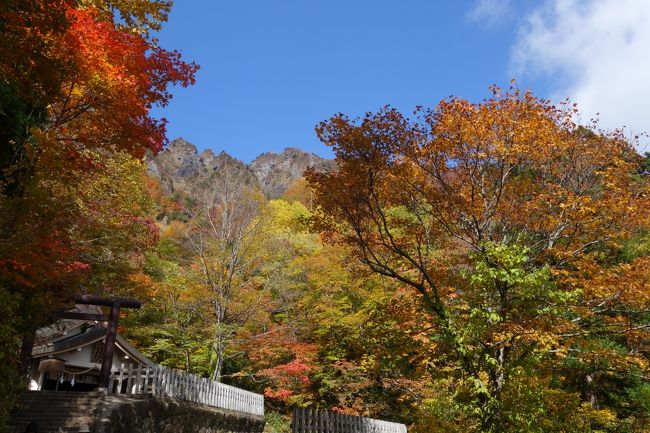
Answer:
(78, 80)
(510, 222)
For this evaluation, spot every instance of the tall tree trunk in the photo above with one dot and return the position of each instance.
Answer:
(26, 351)
(188, 367)
(591, 393)
(218, 368)
(491, 404)
(219, 344)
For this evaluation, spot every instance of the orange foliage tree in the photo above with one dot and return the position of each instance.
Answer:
(509, 221)
(81, 89)
(76, 91)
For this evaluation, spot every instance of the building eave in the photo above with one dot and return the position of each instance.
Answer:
(86, 339)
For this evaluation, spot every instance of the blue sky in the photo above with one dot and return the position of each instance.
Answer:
(271, 70)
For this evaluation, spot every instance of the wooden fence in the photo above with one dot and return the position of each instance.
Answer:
(322, 421)
(163, 381)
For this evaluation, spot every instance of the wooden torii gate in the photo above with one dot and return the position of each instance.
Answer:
(111, 331)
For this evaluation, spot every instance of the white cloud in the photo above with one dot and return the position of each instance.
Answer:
(597, 52)
(490, 12)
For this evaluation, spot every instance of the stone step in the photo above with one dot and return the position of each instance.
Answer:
(47, 421)
(49, 425)
(41, 403)
(58, 422)
(52, 413)
(54, 398)
(52, 417)
(44, 428)
(39, 406)
(64, 402)
(59, 400)
(53, 401)
(55, 412)
(54, 420)
(57, 403)
(46, 394)
(52, 392)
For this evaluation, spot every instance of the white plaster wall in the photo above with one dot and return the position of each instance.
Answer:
(81, 358)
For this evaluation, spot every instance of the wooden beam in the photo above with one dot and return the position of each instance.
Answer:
(106, 301)
(83, 316)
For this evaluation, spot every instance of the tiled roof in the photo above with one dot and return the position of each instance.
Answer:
(91, 336)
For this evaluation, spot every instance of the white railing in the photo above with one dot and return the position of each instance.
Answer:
(377, 426)
(322, 421)
(167, 382)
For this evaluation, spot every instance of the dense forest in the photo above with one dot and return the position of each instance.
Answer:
(474, 267)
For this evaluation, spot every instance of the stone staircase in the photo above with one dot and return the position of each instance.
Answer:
(54, 412)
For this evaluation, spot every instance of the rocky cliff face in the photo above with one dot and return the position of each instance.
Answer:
(180, 166)
(275, 172)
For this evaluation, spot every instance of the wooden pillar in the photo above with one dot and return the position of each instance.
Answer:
(26, 351)
(109, 345)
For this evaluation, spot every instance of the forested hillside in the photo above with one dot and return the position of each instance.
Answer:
(483, 267)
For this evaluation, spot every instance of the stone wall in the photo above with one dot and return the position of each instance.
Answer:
(162, 415)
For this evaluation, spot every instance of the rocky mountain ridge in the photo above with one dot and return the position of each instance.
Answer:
(180, 165)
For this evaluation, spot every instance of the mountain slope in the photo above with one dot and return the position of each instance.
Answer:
(180, 167)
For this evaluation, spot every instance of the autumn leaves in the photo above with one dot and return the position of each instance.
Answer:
(508, 219)
(482, 267)
(76, 91)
